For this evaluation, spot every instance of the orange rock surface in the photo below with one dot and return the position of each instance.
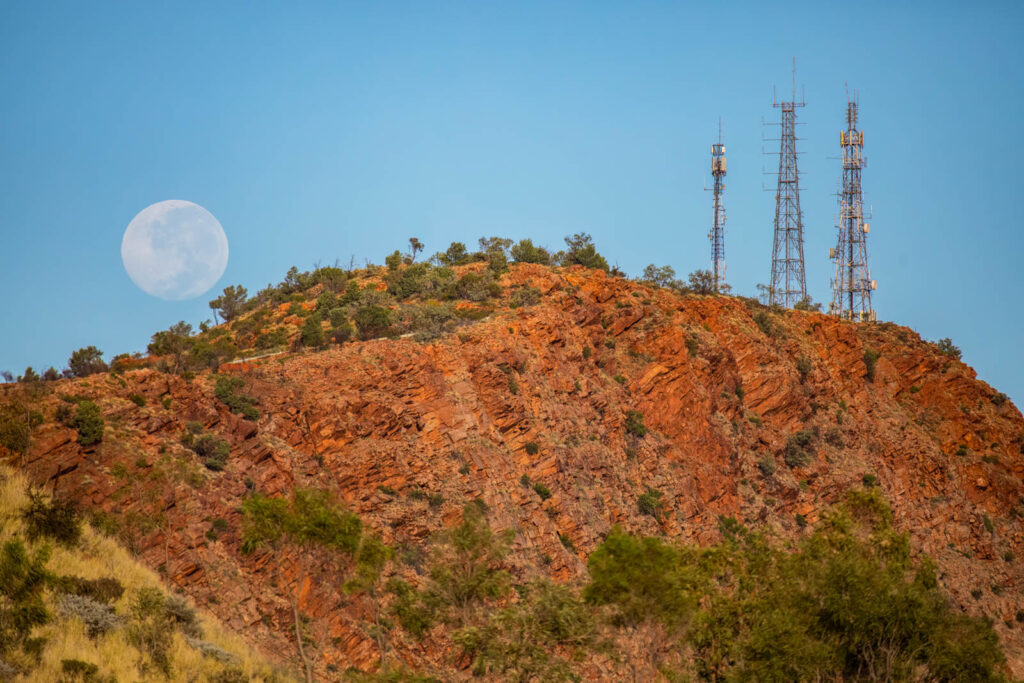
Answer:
(454, 416)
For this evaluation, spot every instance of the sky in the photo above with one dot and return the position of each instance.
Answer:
(323, 132)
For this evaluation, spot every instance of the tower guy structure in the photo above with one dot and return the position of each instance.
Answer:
(852, 284)
(717, 234)
(788, 284)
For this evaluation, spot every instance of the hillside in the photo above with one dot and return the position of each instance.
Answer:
(557, 402)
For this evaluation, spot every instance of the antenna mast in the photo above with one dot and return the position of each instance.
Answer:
(788, 281)
(852, 284)
(717, 234)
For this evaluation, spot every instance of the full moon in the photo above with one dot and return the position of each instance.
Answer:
(174, 250)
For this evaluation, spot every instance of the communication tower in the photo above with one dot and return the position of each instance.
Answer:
(852, 284)
(717, 234)
(788, 284)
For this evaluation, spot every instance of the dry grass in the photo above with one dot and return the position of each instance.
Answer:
(98, 556)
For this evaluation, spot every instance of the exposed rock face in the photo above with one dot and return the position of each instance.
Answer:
(454, 417)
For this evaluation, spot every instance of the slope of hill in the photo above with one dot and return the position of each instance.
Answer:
(77, 607)
(560, 403)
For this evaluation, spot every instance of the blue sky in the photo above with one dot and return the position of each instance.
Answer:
(316, 132)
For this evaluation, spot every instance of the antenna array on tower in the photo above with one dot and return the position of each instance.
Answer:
(717, 234)
(852, 284)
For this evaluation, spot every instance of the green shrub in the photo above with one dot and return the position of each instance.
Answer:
(22, 584)
(635, 423)
(524, 296)
(803, 366)
(410, 609)
(796, 453)
(621, 379)
(582, 252)
(692, 346)
(477, 286)
(16, 427)
(870, 480)
(431, 320)
(88, 420)
(587, 352)
(343, 332)
(86, 361)
(945, 346)
(272, 338)
(105, 589)
(532, 448)
(650, 503)
(871, 357)
(525, 252)
(999, 398)
(543, 491)
(78, 670)
(525, 480)
(212, 451)
(226, 391)
(137, 399)
(57, 519)
(766, 465)
(311, 516)
(764, 323)
(312, 334)
(373, 321)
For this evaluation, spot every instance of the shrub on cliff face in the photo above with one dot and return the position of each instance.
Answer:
(88, 420)
(871, 357)
(226, 391)
(945, 346)
(798, 449)
(635, 423)
(311, 516)
(650, 503)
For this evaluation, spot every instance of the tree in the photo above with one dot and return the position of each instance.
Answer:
(7, 375)
(947, 347)
(173, 342)
(582, 252)
(86, 361)
(662, 276)
(701, 282)
(393, 260)
(30, 375)
(807, 304)
(229, 304)
(456, 255)
(312, 332)
(489, 245)
(51, 374)
(373, 321)
(525, 252)
(88, 420)
(23, 578)
(415, 247)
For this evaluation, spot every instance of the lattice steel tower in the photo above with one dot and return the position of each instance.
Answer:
(788, 283)
(717, 234)
(852, 284)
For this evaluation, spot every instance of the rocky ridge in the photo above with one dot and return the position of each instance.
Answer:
(721, 386)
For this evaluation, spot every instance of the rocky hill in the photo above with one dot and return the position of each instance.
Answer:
(563, 403)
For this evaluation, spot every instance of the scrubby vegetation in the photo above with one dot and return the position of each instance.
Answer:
(75, 607)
